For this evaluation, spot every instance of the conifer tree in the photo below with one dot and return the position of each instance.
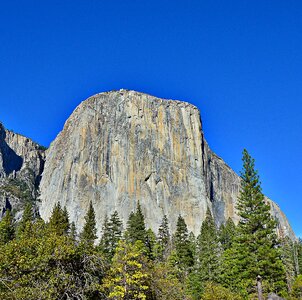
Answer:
(128, 276)
(73, 232)
(227, 234)
(27, 219)
(255, 250)
(164, 238)
(182, 244)
(136, 228)
(208, 250)
(288, 258)
(88, 235)
(105, 238)
(7, 229)
(59, 220)
(151, 250)
(116, 229)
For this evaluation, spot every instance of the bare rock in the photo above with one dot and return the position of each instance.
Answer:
(121, 147)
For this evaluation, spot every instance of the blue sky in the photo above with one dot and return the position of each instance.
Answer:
(239, 62)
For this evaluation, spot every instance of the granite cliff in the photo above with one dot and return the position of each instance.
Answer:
(21, 167)
(121, 147)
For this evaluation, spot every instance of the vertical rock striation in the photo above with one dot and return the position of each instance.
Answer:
(121, 147)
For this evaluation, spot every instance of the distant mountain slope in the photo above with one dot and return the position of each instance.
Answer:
(21, 167)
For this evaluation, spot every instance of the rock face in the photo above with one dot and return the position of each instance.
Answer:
(21, 167)
(121, 147)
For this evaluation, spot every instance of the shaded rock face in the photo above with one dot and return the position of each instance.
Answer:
(21, 167)
(121, 147)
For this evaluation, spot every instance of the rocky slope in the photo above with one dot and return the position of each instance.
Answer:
(121, 147)
(21, 167)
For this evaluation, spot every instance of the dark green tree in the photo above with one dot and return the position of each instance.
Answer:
(299, 255)
(164, 239)
(73, 232)
(288, 258)
(26, 220)
(136, 228)
(7, 228)
(59, 221)
(88, 235)
(208, 250)
(151, 249)
(255, 250)
(227, 234)
(182, 244)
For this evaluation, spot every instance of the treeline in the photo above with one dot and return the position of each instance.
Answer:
(51, 260)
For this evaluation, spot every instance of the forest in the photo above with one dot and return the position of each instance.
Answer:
(51, 260)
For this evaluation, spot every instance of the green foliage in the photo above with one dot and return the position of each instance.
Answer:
(45, 265)
(214, 291)
(7, 229)
(208, 250)
(182, 245)
(299, 254)
(227, 233)
(27, 218)
(164, 284)
(207, 258)
(164, 239)
(288, 259)
(255, 249)
(59, 220)
(136, 228)
(88, 235)
(128, 276)
(111, 235)
(297, 288)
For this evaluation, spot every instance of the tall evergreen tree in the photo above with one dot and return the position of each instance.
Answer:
(288, 258)
(88, 235)
(255, 250)
(26, 220)
(227, 234)
(208, 250)
(59, 221)
(73, 232)
(164, 238)
(136, 228)
(182, 245)
(7, 228)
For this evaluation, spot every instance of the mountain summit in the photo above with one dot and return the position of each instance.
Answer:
(123, 147)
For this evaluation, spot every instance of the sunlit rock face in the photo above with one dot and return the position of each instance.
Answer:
(21, 166)
(121, 147)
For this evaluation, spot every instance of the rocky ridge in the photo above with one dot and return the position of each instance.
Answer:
(121, 147)
(21, 167)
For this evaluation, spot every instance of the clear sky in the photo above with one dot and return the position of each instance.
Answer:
(239, 62)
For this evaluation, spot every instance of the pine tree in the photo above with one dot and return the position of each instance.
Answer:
(227, 234)
(182, 244)
(73, 232)
(115, 229)
(7, 229)
(288, 258)
(255, 251)
(151, 250)
(299, 254)
(27, 219)
(88, 235)
(128, 276)
(136, 229)
(164, 238)
(208, 250)
(105, 242)
(59, 220)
